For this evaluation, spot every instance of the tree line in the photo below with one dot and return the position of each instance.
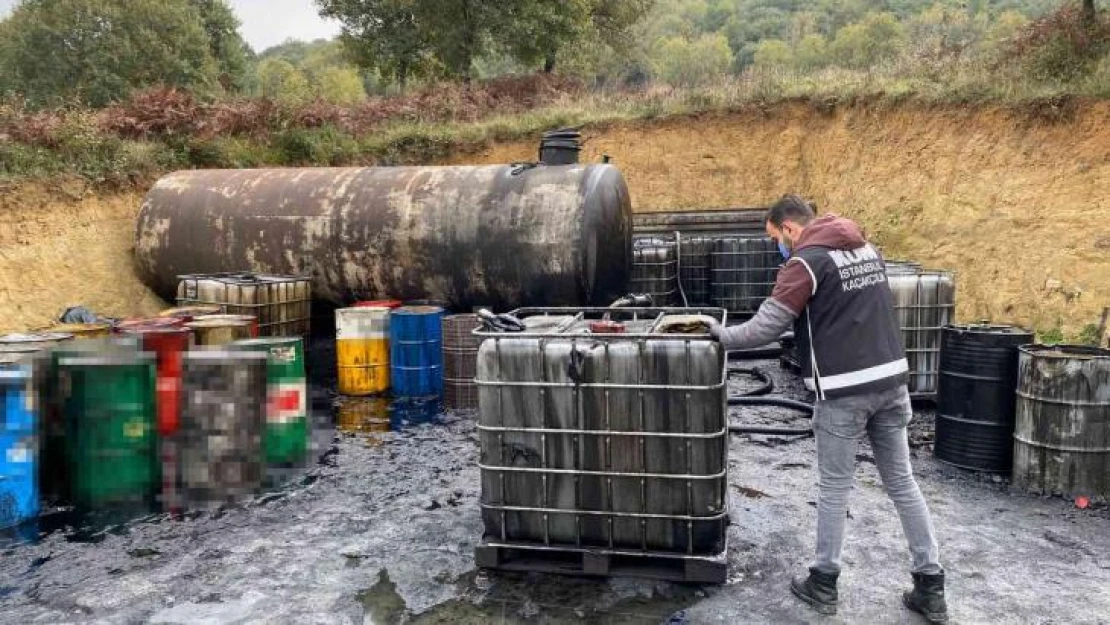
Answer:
(94, 52)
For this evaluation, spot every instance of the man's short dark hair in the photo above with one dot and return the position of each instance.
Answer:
(791, 207)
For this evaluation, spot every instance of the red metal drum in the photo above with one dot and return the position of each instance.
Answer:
(168, 344)
(127, 326)
(379, 303)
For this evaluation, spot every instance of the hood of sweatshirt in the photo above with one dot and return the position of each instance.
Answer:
(832, 232)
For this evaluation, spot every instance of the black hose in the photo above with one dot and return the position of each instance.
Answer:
(781, 402)
(744, 429)
(767, 386)
(752, 398)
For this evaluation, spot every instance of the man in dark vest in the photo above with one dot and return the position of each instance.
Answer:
(833, 290)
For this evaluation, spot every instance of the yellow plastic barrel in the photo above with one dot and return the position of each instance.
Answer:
(362, 350)
(84, 330)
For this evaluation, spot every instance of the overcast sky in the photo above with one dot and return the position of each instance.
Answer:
(266, 22)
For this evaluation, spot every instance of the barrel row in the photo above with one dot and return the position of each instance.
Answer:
(147, 415)
(412, 352)
(1040, 413)
(730, 271)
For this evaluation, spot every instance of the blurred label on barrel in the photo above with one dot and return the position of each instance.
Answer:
(362, 350)
(283, 354)
(219, 447)
(286, 433)
(286, 402)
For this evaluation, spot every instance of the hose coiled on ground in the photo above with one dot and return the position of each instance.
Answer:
(757, 397)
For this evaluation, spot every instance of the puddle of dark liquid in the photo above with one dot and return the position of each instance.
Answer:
(381, 601)
(530, 598)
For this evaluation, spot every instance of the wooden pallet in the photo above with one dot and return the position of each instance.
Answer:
(601, 563)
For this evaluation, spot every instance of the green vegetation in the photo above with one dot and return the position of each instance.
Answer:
(405, 39)
(173, 85)
(97, 51)
(1091, 334)
(1053, 335)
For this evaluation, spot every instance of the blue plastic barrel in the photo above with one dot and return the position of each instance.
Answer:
(416, 351)
(19, 492)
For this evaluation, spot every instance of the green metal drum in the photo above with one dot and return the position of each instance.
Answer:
(286, 435)
(110, 435)
(54, 463)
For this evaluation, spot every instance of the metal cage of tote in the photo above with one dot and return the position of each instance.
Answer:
(460, 360)
(698, 531)
(281, 304)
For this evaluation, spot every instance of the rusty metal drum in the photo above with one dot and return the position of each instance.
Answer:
(1062, 429)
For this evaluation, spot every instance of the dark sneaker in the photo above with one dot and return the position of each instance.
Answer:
(927, 597)
(818, 590)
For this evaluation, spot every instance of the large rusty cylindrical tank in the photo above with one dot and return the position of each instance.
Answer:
(499, 235)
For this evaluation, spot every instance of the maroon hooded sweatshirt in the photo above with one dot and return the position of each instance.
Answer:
(834, 289)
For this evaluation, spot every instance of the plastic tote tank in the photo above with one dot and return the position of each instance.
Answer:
(924, 302)
(655, 269)
(279, 304)
(460, 356)
(695, 256)
(416, 351)
(743, 272)
(607, 443)
(19, 493)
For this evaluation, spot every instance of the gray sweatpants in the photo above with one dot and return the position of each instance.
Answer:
(838, 424)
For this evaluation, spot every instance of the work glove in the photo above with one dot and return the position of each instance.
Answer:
(716, 330)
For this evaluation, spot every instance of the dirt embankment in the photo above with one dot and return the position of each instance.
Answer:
(63, 246)
(1016, 203)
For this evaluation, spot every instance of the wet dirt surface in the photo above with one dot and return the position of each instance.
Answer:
(382, 527)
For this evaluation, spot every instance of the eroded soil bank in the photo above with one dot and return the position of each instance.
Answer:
(1015, 201)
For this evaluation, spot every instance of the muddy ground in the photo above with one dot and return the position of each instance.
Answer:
(382, 527)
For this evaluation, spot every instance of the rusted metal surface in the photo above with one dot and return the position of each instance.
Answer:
(490, 235)
(1062, 424)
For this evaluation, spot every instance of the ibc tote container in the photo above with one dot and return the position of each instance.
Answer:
(924, 302)
(280, 304)
(655, 269)
(611, 444)
(743, 273)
